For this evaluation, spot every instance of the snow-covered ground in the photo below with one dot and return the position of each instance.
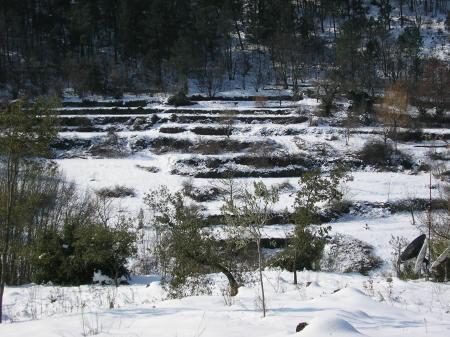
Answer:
(332, 304)
(93, 174)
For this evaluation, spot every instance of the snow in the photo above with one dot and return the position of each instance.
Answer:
(379, 305)
(377, 231)
(331, 304)
(330, 326)
(389, 186)
(93, 174)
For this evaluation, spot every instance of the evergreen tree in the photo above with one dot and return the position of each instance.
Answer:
(306, 245)
(27, 131)
(186, 250)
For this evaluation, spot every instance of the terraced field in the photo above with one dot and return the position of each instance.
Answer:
(144, 143)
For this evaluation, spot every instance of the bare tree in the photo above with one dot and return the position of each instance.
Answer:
(329, 90)
(228, 120)
(392, 113)
(247, 218)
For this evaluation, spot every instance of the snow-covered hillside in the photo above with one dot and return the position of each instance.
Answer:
(145, 147)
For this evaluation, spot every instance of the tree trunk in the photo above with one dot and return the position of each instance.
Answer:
(236, 26)
(12, 172)
(258, 243)
(116, 278)
(232, 283)
(401, 13)
(2, 290)
(234, 286)
(295, 266)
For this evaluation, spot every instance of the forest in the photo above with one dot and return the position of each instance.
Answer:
(116, 46)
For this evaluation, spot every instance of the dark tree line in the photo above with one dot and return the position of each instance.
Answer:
(109, 46)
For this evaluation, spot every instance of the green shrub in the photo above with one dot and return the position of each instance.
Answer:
(382, 155)
(71, 256)
(48, 257)
(105, 249)
(308, 254)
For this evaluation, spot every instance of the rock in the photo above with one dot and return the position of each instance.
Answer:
(300, 326)
(138, 124)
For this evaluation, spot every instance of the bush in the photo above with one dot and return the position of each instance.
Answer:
(382, 155)
(73, 255)
(154, 119)
(150, 169)
(172, 129)
(344, 254)
(208, 131)
(444, 155)
(308, 258)
(218, 146)
(179, 99)
(376, 153)
(285, 186)
(163, 145)
(339, 207)
(410, 135)
(105, 249)
(49, 256)
(298, 96)
(116, 192)
(201, 194)
(111, 146)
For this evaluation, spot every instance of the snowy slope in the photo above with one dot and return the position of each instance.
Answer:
(332, 304)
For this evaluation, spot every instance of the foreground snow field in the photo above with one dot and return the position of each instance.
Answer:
(332, 304)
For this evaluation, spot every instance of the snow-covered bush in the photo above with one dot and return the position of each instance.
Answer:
(110, 146)
(179, 99)
(344, 254)
(117, 191)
